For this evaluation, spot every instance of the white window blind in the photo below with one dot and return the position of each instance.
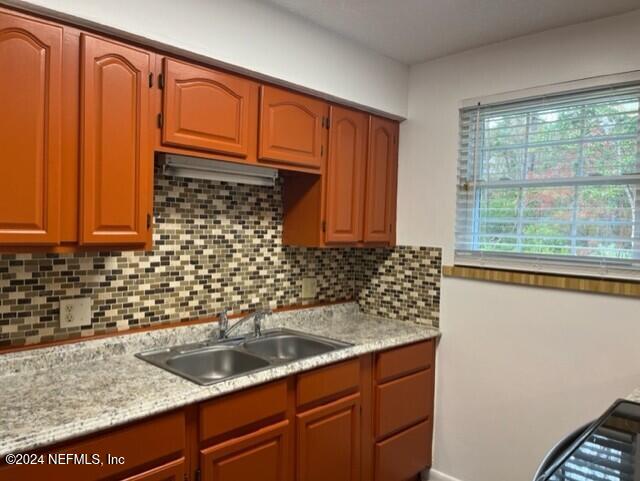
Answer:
(552, 184)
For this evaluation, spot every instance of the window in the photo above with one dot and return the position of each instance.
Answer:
(552, 184)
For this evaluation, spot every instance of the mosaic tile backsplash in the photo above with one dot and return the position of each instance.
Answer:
(215, 245)
(400, 283)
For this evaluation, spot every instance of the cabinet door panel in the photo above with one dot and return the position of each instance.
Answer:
(329, 442)
(262, 455)
(380, 200)
(30, 130)
(345, 175)
(209, 110)
(117, 159)
(291, 128)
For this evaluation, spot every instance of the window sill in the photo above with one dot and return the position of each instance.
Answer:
(551, 281)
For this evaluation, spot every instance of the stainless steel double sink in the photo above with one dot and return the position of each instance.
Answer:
(214, 361)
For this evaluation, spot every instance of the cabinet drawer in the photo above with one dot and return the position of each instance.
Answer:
(404, 360)
(242, 409)
(328, 383)
(141, 444)
(403, 456)
(403, 402)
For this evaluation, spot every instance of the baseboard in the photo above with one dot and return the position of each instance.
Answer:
(435, 475)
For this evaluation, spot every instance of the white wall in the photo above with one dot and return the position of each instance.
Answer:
(260, 38)
(517, 366)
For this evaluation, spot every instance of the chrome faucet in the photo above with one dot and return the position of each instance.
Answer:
(257, 316)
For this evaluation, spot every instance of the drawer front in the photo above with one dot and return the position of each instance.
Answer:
(328, 383)
(403, 456)
(141, 444)
(403, 402)
(242, 409)
(404, 360)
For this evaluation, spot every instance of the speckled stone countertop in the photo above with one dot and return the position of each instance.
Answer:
(52, 394)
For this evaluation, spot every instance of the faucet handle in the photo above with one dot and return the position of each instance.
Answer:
(223, 323)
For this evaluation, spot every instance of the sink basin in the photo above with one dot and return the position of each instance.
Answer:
(212, 361)
(287, 347)
(214, 364)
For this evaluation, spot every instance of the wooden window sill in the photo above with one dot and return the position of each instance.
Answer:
(615, 287)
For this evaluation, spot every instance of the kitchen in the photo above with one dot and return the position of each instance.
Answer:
(166, 179)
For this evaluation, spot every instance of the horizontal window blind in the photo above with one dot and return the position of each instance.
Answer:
(552, 184)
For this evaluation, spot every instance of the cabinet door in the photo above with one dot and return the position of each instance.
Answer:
(292, 128)
(262, 455)
(329, 442)
(380, 198)
(30, 130)
(209, 110)
(174, 471)
(345, 175)
(116, 153)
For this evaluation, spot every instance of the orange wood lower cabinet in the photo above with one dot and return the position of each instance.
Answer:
(329, 442)
(142, 446)
(263, 455)
(335, 423)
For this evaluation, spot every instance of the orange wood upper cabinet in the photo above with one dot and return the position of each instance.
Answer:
(345, 175)
(328, 442)
(30, 130)
(354, 201)
(382, 167)
(208, 110)
(116, 150)
(263, 455)
(292, 130)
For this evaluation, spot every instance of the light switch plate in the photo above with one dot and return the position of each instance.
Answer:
(75, 312)
(309, 287)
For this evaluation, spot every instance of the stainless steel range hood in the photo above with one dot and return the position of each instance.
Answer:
(196, 168)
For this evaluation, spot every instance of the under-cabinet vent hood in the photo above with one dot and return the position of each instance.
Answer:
(196, 168)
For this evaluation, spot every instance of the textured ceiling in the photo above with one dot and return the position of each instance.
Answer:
(413, 31)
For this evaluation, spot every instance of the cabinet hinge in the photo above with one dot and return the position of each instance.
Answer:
(149, 218)
(196, 475)
(160, 120)
(160, 81)
(324, 226)
(151, 79)
(328, 123)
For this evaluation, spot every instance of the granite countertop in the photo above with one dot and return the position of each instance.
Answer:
(52, 394)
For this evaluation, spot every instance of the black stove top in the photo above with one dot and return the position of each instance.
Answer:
(607, 451)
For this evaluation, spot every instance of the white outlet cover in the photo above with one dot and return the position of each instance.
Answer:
(309, 287)
(75, 312)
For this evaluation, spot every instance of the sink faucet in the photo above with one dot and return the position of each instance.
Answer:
(257, 316)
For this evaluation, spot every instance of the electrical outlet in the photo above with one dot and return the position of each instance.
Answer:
(75, 312)
(309, 288)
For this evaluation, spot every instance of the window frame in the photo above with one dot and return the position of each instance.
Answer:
(589, 266)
